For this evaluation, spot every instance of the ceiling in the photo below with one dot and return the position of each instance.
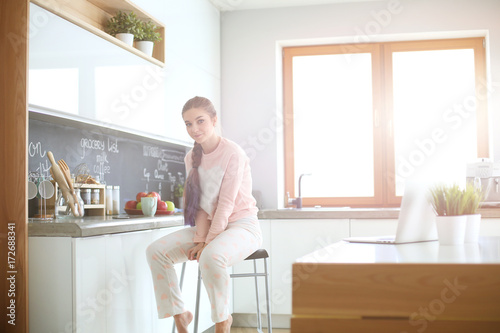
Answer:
(231, 5)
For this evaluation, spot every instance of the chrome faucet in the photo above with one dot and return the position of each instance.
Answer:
(298, 200)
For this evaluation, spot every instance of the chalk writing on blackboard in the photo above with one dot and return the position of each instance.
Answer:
(90, 144)
(163, 157)
(102, 166)
(36, 150)
(113, 146)
(163, 154)
(113, 158)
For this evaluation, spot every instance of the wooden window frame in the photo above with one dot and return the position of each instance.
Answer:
(383, 150)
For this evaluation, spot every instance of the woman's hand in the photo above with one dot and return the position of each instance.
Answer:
(194, 253)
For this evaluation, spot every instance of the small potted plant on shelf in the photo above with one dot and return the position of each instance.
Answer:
(448, 203)
(472, 196)
(179, 196)
(146, 37)
(124, 26)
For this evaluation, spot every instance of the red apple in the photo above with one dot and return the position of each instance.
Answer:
(140, 195)
(131, 204)
(154, 194)
(162, 205)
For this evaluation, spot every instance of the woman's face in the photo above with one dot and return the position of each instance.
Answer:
(200, 126)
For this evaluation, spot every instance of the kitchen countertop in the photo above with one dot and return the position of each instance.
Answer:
(97, 225)
(348, 213)
(100, 225)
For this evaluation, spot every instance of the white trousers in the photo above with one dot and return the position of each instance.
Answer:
(240, 239)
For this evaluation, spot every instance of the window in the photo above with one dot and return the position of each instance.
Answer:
(362, 118)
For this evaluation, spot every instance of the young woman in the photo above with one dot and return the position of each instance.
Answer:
(221, 210)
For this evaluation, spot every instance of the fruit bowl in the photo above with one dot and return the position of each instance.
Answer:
(139, 212)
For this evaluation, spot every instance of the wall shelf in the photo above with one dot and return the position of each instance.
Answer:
(90, 209)
(92, 16)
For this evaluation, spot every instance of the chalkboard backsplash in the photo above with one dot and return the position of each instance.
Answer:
(113, 157)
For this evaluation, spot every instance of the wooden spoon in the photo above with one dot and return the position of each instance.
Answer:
(61, 181)
(65, 170)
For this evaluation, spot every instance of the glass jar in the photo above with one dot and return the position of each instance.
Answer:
(116, 200)
(109, 200)
(81, 211)
(86, 196)
(95, 196)
(62, 208)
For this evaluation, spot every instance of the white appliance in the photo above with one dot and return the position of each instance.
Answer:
(485, 174)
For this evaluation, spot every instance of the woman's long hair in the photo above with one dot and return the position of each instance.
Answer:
(192, 189)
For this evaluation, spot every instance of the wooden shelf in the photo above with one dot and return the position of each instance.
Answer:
(92, 16)
(94, 209)
(91, 209)
(99, 206)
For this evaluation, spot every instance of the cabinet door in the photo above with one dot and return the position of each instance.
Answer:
(373, 227)
(91, 292)
(50, 285)
(490, 227)
(290, 240)
(128, 309)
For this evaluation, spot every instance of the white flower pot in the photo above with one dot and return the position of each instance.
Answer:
(451, 229)
(126, 38)
(472, 228)
(145, 46)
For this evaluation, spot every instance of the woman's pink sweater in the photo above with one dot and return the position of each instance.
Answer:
(226, 189)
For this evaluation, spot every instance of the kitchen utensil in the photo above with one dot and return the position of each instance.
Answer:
(46, 189)
(58, 176)
(65, 170)
(32, 190)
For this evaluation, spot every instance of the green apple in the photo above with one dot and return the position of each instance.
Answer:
(139, 205)
(170, 206)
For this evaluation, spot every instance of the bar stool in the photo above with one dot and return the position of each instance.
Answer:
(259, 254)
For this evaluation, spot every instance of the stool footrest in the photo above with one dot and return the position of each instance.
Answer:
(247, 275)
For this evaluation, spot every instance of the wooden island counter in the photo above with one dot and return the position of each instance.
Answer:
(398, 288)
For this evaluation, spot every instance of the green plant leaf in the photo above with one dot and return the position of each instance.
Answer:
(123, 23)
(146, 31)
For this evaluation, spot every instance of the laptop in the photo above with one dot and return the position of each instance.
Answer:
(416, 222)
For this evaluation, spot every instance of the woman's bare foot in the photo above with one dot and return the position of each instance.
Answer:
(224, 326)
(182, 321)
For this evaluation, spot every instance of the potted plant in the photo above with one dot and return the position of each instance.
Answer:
(123, 26)
(146, 37)
(447, 201)
(472, 196)
(179, 196)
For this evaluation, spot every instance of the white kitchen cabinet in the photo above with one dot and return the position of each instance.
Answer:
(50, 284)
(129, 307)
(372, 227)
(291, 239)
(285, 240)
(490, 227)
(100, 284)
(91, 291)
(382, 227)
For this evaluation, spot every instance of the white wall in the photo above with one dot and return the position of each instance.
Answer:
(192, 54)
(251, 62)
